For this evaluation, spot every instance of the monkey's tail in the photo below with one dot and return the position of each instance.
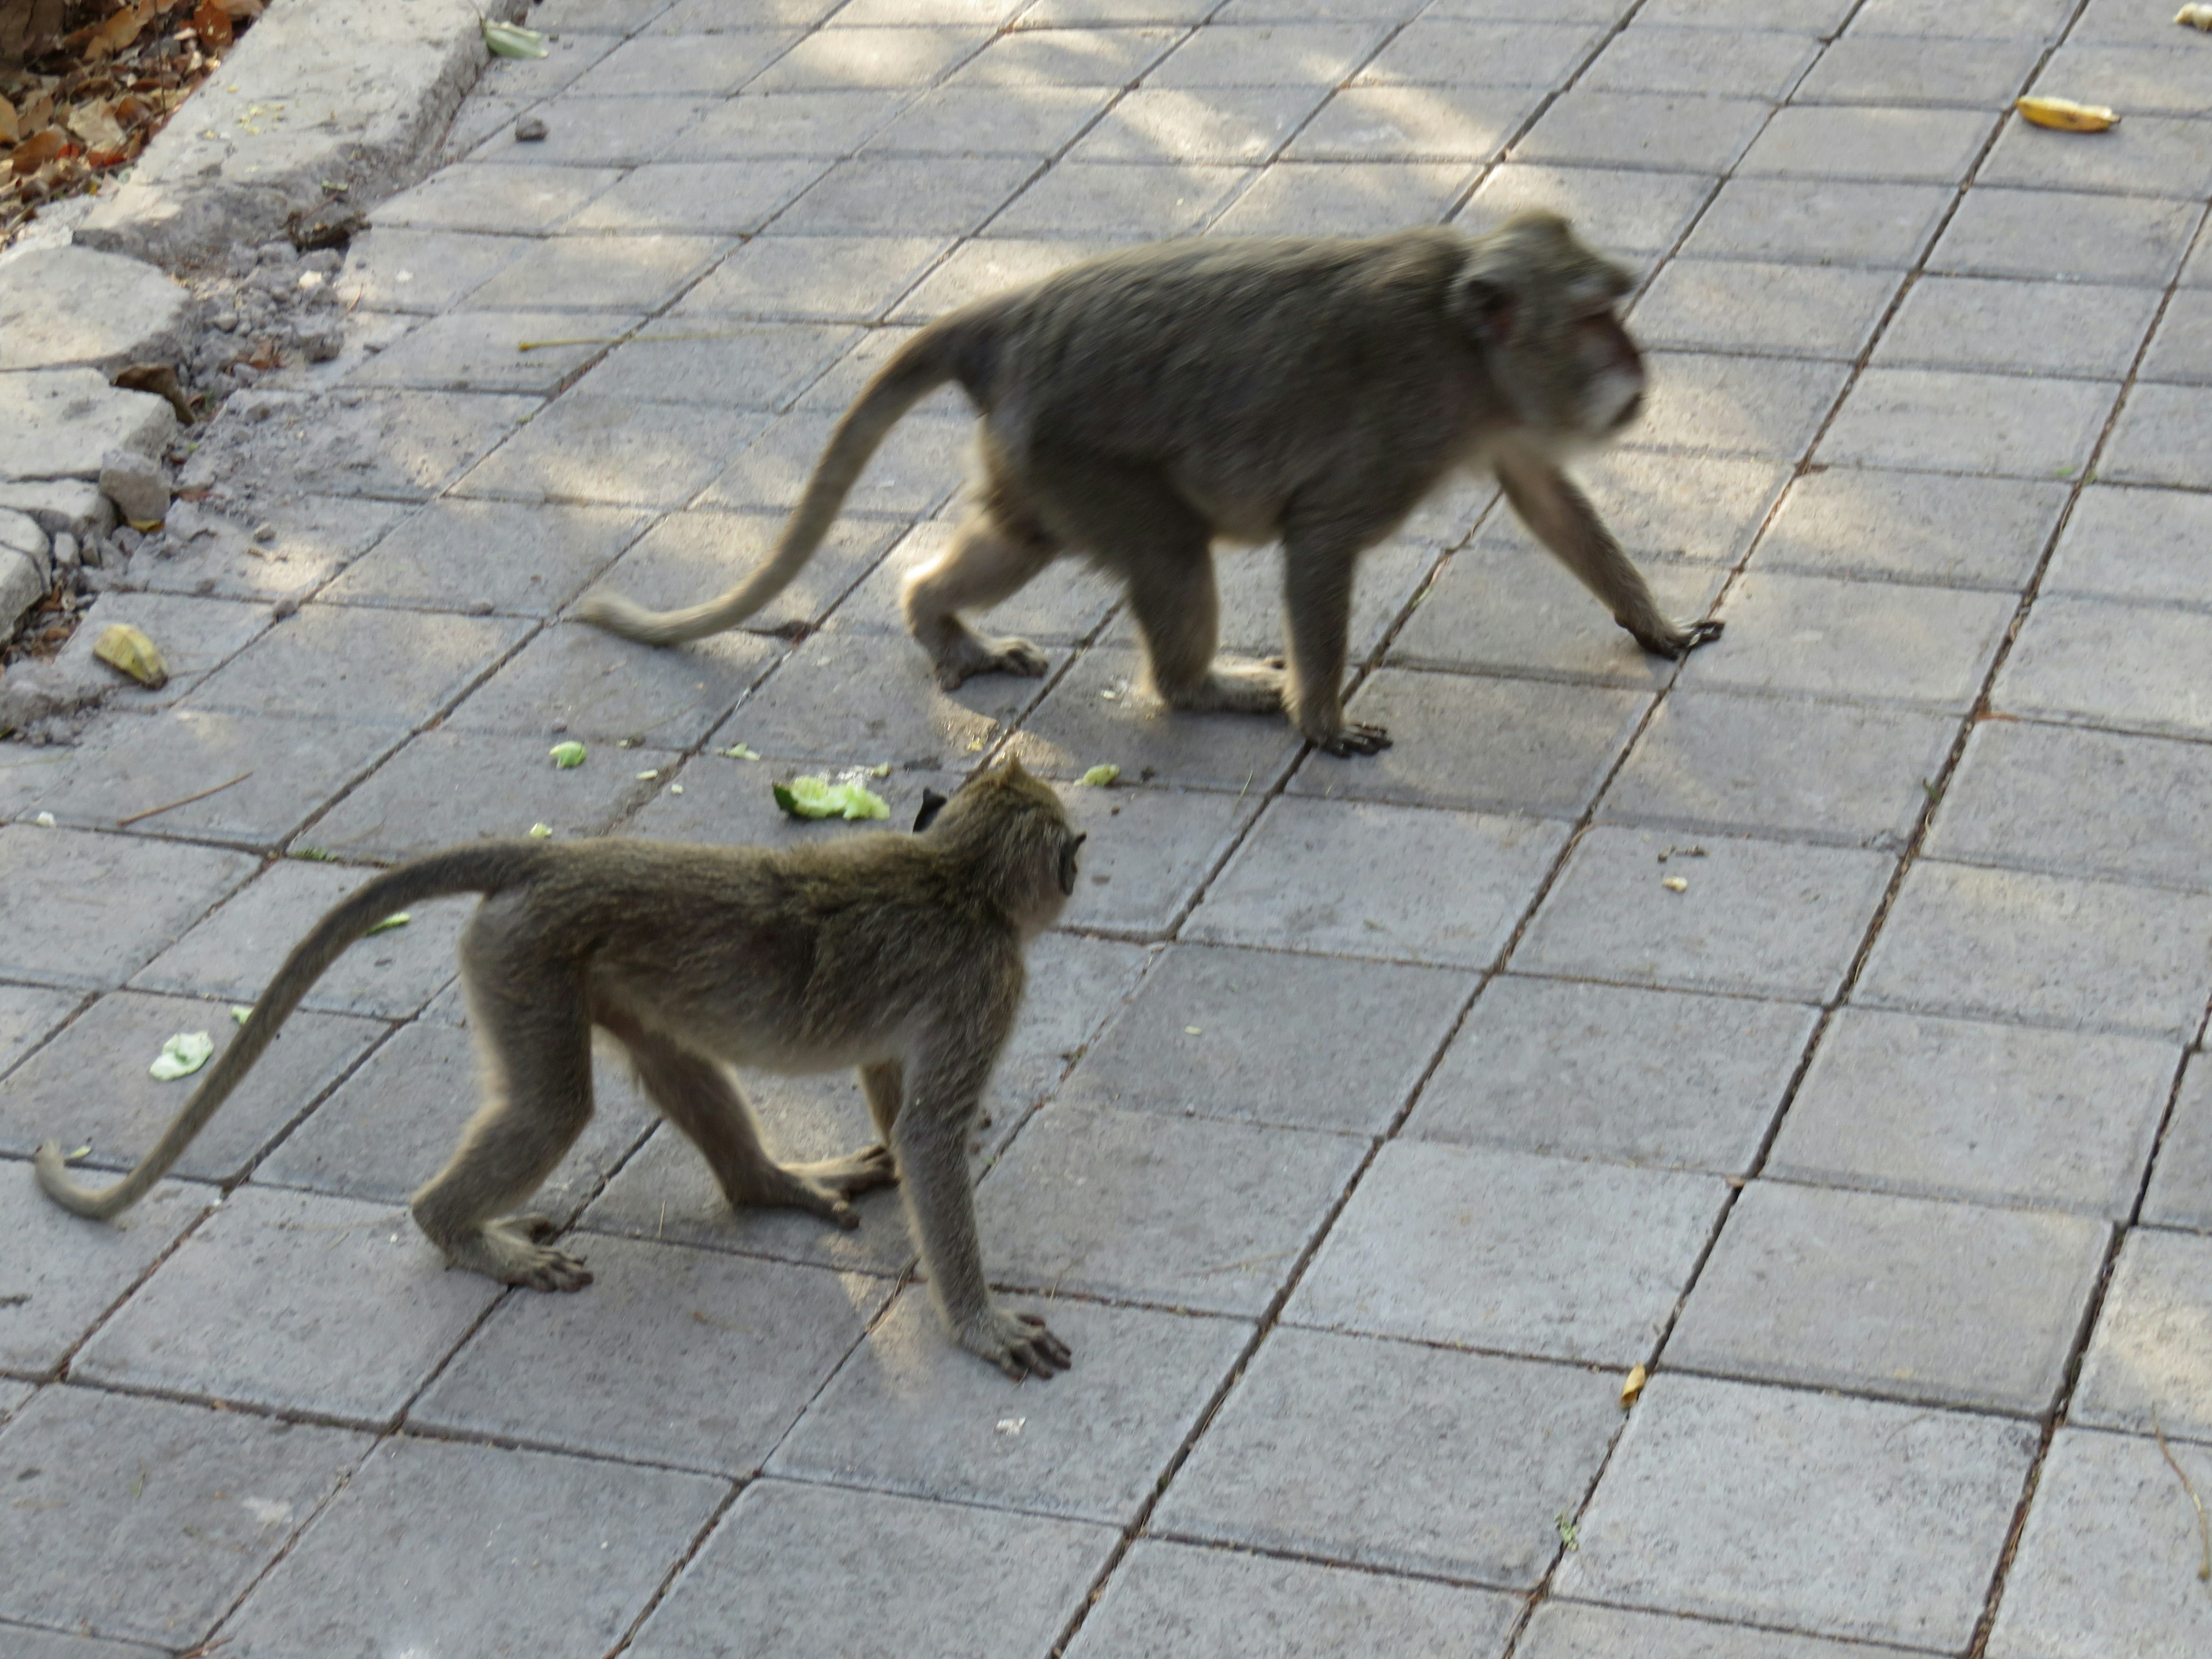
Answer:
(916, 369)
(483, 869)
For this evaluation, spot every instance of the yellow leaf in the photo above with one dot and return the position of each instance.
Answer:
(2064, 115)
(1633, 1385)
(121, 646)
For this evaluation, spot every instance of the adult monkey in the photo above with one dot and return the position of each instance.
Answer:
(1138, 406)
(901, 955)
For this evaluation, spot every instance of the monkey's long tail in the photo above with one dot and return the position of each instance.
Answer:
(484, 869)
(916, 369)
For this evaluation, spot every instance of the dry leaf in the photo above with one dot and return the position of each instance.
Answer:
(96, 124)
(212, 23)
(39, 149)
(9, 132)
(2064, 115)
(121, 646)
(1633, 1385)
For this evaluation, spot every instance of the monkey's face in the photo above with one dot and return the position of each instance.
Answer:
(1544, 310)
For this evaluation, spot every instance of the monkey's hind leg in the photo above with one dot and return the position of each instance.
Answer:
(993, 555)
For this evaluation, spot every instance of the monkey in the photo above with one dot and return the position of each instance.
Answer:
(1136, 407)
(901, 955)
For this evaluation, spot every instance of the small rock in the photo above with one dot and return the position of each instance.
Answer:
(264, 533)
(56, 505)
(45, 690)
(325, 260)
(276, 254)
(137, 484)
(322, 341)
(241, 262)
(66, 553)
(529, 130)
(287, 606)
(125, 541)
(225, 321)
(21, 587)
(20, 533)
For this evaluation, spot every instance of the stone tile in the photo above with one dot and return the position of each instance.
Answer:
(1442, 1463)
(1831, 772)
(825, 123)
(840, 278)
(1905, 68)
(1266, 54)
(63, 1273)
(2182, 351)
(196, 636)
(1814, 17)
(639, 1367)
(728, 802)
(1914, 526)
(869, 58)
(1487, 744)
(1057, 47)
(1651, 1077)
(391, 1125)
(759, 365)
(52, 1644)
(1142, 874)
(515, 201)
(2159, 437)
(708, 65)
(196, 1503)
(88, 909)
(1950, 422)
(27, 1016)
(1763, 917)
(1828, 222)
(1739, 64)
(1737, 406)
(1101, 710)
(982, 269)
(482, 351)
(528, 561)
(2101, 21)
(1434, 1247)
(233, 955)
(1451, 52)
(689, 555)
(1625, 212)
(287, 770)
(386, 668)
(395, 269)
(2153, 1347)
(576, 681)
(2043, 328)
(1847, 1517)
(1354, 879)
(908, 196)
(316, 535)
(1909, 1298)
(1675, 131)
(2180, 1193)
(1065, 606)
(2043, 234)
(1028, 121)
(2153, 155)
(90, 1085)
(614, 450)
(587, 131)
(1251, 582)
(1307, 1042)
(2111, 664)
(1117, 199)
(242, 1311)
(599, 1539)
(2037, 20)
(2107, 1563)
(1088, 1202)
(1703, 508)
(2080, 803)
(1170, 1599)
(521, 81)
(1731, 305)
(823, 1573)
(446, 787)
(1357, 198)
(911, 1412)
(1818, 636)
(1912, 146)
(708, 199)
(1402, 123)
(2087, 954)
(1990, 1114)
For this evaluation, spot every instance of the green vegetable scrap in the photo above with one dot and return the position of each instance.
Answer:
(399, 919)
(568, 755)
(181, 1055)
(742, 751)
(1101, 777)
(241, 1012)
(511, 40)
(818, 797)
(541, 832)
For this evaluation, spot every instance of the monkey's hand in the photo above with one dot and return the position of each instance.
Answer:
(1018, 1344)
(1679, 643)
(1352, 737)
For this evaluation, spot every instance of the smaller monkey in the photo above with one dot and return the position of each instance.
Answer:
(900, 955)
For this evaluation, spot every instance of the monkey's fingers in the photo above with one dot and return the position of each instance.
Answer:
(1357, 739)
(1052, 1352)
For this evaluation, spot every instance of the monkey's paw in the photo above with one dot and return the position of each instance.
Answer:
(824, 1188)
(1355, 737)
(1682, 640)
(508, 1251)
(976, 655)
(1018, 1344)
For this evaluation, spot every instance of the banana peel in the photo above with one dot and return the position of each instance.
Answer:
(122, 646)
(2195, 18)
(2064, 115)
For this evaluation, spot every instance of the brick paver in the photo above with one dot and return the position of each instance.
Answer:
(1369, 1118)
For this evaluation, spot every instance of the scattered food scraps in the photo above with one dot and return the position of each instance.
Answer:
(1101, 777)
(1633, 1385)
(1570, 1534)
(181, 1055)
(126, 648)
(1010, 1425)
(818, 797)
(241, 1012)
(2064, 115)
(1193, 1030)
(512, 40)
(398, 918)
(541, 832)
(2195, 18)
(741, 751)
(1675, 885)
(567, 756)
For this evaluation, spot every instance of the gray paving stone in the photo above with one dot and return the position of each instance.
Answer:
(1866, 141)
(1606, 1072)
(391, 1125)
(1735, 305)
(2034, 19)
(759, 365)
(27, 1016)
(2071, 802)
(588, 132)
(918, 466)
(1452, 52)
(2042, 234)
(1741, 64)
(2159, 437)
(1623, 211)
(911, 1412)
(712, 65)
(366, 667)
(2047, 328)
(1106, 198)
(826, 124)
(1446, 1464)
(2180, 1193)
(59, 422)
(63, 1273)
(1807, 1512)
(1569, 1630)
(2151, 1351)
(52, 1644)
(1440, 1244)
(2103, 21)
(395, 269)
(982, 268)
(447, 787)
(1267, 54)
(1763, 917)
(2183, 348)
(1815, 17)
(316, 536)
(69, 306)
(1032, 121)
(88, 909)
(2156, 155)
(1704, 509)
(1914, 526)
(403, 446)
(195, 636)
(1737, 406)
(2106, 662)
(823, 1573)
(689, 555)
(1058, 47)
(1992, 1113)
(580, 682)
(529, 561)
(1168, 1600)
(148, 1518)
(1903, 69)
(1672, 132)
(1063, 606)
(1817, 771)
(1141, 873)
(1353, 878)
(704, 198)
(717, 800)
(520, 81)
(90, 1086)
(906, 195)
(674, 1357)
(1101, 711)
(844, 278)
(1950, 422)
(448, 1521)
(1252, 587)
(1395, 123)
(480, 351)
(243, 1311)
(2107, 1563)
(1839, 222)
(1909, 1298)
(2088, 954)
(1316, 198)
(613, 450)
(509, 200)
(869, 58)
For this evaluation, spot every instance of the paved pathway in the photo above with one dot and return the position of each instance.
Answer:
(1813, 1026)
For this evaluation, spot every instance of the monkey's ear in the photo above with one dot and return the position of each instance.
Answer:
(931, 805)
(1486, 306)
(1067, 864)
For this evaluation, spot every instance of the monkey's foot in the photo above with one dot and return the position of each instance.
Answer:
(969, 654)
(1352, 737)
(1232, 686)
(1679, 643)
(509, 1252)
(822, 1188)
(1018, 1344)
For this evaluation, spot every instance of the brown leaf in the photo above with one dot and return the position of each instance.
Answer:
(8, 130)
(119, 31)
(243, 11)
(96, 124)
(212, 23)
(39, 149)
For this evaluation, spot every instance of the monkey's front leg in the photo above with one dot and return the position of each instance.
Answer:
(1317, 595)
(1562, 518)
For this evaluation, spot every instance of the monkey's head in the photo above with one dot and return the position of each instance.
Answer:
(1541, 306)
(1014, 827)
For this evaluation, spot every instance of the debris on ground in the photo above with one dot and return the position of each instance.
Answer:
(2064, 115)
(818, 797)
(127, 650)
